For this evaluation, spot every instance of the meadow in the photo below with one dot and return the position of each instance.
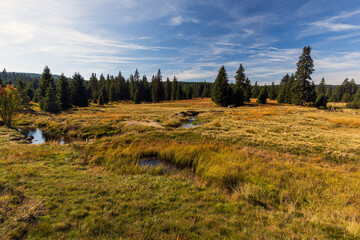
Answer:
(271, 171)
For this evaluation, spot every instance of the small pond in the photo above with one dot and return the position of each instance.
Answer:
(190, 123)
(155, 162)
(37, 136)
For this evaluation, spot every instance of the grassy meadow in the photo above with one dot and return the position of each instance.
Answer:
(255, 172)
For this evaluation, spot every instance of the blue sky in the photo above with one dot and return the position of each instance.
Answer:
(189, 39)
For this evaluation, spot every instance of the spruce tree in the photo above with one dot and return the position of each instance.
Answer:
(255, 90)
(240, 85)
(289, 91)
(50, 101)
(179, 92)
(262, 96)
(221, 92)
(189, 93)
(30, 92)
(78, 94)
(247, 90)
(272, 92)
(157, 91)
(63, 92)
(112, 93)
(46, 82)
(305, 67)
(167, 90)
(93, 85)
(101, 82)
(321, 88)
(281, 96)
(132, 87)
(137, 97)
(174, 87)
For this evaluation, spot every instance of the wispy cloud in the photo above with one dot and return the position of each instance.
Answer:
(178, 20)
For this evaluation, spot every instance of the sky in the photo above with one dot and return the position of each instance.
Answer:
(187, 39)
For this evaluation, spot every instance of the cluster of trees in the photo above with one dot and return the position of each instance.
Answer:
(58, 93)
(224, 94)
(295, 89)
(139, 89)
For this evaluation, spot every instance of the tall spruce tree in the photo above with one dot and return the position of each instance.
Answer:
(167, 89)
(179, 92)
(78, 94)
(305, 67)
(103, 96)
(247, 90)
(262, 96)
(63, 92)
(157, 91)
(93, 85)
(50, 101)
(321, 88)
(137, 96)
(255, 90)
(221, 92)
(282, 92)
(112, 92)
(239, 89)
(272, 92)
(174, 87)
(46, 83)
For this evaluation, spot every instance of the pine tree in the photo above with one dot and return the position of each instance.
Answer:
(101, 82)
(255, 90)
(189, 93)
(174, 87)
(305, 67)
(240, 86)
(30, 92)
(272, 92)
(284, 87)
(63, 93)
(240, 77)
(147, 91)
(247, 90)
(179, 92)
(238, 96)
(157, 92)
(289, 91)
(167, 89)
(46, 82)
(137, 97)
(94, 85)
(321, 89)
(78, 94)
(262, 96)
(221, 92)
(103, 96)
(112, 93)
(50, 101)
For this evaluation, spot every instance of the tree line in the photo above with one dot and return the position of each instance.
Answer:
(59, 93)
(297, 89)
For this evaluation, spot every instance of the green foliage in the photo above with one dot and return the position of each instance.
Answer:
(10, 102)
(51, 102)
(103, 96)
(321, 88)
(301, 86)
(346, 98)
(112, 92)
(46, 82)
(321, 101)
(262, 96)
(272, 92)
(167, 90)
(63, 92)
(353, 105)
(255, 91)
(78, 94)
(238, 96)
(174, 87)
(137, 97)
(157, 91)
(221, 91)
(247, 90)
